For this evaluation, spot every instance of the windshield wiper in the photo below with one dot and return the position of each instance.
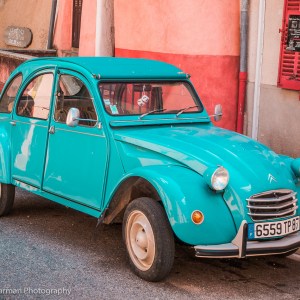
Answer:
(151, 112)
(184, 109)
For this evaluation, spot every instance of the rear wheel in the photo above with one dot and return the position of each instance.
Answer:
(149, 239)
(7, 197)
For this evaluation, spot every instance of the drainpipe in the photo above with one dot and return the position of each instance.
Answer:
(258, 68)
(243, 65)
(51, 26)
(104, 42)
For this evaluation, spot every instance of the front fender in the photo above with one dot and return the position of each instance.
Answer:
(182, 191)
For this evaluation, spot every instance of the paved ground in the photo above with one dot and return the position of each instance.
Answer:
(46, 246)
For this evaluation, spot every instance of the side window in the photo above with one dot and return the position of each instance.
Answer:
(72, 92)
(35, 99)
(8, 98)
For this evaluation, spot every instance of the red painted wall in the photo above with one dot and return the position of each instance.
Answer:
(199, 36)
(214, 77)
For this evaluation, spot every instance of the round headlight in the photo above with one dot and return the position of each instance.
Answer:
(217, 179)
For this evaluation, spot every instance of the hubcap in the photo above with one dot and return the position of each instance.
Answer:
(140, 240)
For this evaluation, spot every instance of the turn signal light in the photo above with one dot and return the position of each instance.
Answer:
(197, 217)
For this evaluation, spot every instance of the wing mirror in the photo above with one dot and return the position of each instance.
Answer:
(218, 112)
(73, 118)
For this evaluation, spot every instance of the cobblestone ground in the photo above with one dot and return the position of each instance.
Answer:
(45, 246)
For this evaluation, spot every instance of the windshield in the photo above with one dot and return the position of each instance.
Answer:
(143, 98)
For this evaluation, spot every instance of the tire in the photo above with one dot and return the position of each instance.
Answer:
(149, 239)
(7, 197)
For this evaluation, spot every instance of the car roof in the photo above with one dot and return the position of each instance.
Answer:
(117, 68)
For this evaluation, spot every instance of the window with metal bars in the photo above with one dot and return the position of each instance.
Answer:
(289, 63)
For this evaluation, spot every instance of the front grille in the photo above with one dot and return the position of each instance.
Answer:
(272, 205)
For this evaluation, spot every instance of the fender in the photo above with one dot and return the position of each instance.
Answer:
(5, 164)
(182, 191)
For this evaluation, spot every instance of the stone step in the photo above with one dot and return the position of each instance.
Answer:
(69, 53)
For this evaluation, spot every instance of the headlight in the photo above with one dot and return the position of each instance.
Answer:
(217, 179)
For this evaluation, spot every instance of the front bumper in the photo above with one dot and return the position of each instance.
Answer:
(240, 247)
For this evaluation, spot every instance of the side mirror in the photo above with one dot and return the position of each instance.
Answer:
(218, 112)
(73, 117)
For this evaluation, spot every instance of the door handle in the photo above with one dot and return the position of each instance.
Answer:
(13, 123)
(52, 130)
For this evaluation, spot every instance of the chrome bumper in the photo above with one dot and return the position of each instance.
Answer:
(240, 247)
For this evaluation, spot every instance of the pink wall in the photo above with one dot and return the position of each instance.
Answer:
(175, 26)
(63, 26)
(199, 36)
(88, 28)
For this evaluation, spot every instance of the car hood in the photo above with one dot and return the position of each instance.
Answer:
(201, 146)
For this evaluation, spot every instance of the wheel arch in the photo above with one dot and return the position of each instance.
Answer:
(130, 188)
(180, 191)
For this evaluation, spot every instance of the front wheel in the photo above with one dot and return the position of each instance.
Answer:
(7, 197)
(149, 239)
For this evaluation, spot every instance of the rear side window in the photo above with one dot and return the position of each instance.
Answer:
(9, 96)
(35, 99)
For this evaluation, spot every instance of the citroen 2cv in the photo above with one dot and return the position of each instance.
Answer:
(128, 140)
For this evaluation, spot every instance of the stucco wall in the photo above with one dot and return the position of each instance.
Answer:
(105, 29)
(88, 28)
(63, 27)
(279, 110)
(33, 14)
(199, 36)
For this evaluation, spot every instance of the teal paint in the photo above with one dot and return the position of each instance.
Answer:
(65, 202)
(83, 167)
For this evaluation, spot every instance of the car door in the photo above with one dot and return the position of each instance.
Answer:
(30, 129)
(76, 156)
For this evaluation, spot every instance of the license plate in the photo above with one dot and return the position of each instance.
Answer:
(273, 229)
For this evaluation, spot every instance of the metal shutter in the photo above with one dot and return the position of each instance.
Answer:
(289, 62)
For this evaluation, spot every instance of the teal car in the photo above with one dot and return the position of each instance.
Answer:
(128, 140)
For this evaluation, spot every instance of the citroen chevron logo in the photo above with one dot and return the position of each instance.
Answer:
(271, 178)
